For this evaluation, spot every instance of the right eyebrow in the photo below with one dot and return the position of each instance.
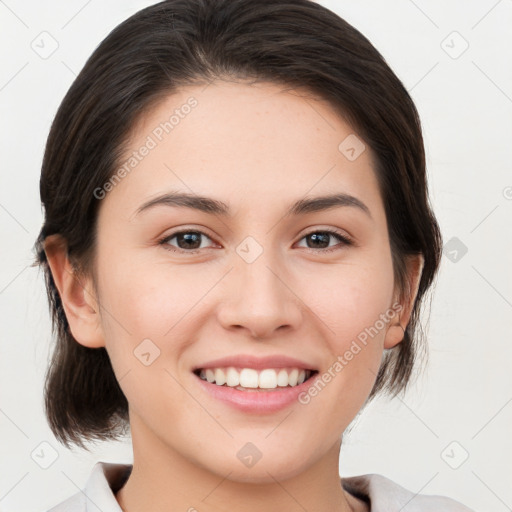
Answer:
(185, 200)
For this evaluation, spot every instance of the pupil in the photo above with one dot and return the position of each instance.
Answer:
(190, 238)
(323, 238)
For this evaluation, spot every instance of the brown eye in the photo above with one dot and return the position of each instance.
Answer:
(320, 240)
(186, 241)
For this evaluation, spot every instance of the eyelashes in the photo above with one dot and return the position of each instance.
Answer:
(193, 237)
(344, 239)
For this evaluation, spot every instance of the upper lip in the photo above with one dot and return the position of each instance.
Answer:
(257, 363)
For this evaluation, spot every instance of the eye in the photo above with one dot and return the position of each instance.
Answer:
(190, 241)
(320, 240)
(187, 241)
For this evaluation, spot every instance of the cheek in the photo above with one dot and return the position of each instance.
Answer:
(351, 299)
(151, 313)
(149, 297)
(143, 306)
(354, 303)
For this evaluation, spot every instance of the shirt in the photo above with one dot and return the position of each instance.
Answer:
(381, 493)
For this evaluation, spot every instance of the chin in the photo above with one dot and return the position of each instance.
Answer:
(266, 473)
(265, 468)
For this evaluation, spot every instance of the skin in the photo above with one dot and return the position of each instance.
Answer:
(258, 149)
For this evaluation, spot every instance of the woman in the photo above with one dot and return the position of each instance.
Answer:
(237, 242)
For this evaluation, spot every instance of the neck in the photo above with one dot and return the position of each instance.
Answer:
(163, 479)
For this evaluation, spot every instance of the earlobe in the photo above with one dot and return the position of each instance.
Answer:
(396, 331)
(394, 335)
(76, 294)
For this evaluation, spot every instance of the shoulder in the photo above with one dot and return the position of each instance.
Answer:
(384, 495)
(99, 491)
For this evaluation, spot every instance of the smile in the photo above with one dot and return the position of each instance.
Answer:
(250, 379)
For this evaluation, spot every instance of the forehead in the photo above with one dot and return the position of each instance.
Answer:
(247, 143)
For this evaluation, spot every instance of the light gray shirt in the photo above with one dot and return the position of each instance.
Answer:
(382, 494)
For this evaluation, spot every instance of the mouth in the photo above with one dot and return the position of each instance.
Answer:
(251, 379)
(255, 384)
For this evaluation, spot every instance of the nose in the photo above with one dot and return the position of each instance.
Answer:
(260, 300)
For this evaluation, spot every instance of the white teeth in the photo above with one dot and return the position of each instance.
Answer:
(232, 378)
(268, 378)
(249, 378)
(293, 376)
(282, 378)
(220, 377)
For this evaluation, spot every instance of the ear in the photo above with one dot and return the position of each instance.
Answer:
(396, 331)
(76, 293)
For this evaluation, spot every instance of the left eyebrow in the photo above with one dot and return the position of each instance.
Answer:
(317, 204)
(216, 207)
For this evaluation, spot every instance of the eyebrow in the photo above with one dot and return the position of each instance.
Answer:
(216, 207)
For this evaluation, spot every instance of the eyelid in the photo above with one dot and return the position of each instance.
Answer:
(164, 239)
(329, 229)
(345, 240)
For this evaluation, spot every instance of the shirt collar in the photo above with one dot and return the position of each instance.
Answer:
(105, 480)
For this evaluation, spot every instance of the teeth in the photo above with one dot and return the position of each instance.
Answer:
(249, 378)
(233, 378)
(282, 378)
(220, 376)
(269, 378)
(293, 376)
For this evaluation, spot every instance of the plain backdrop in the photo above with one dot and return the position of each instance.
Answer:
(450, 434)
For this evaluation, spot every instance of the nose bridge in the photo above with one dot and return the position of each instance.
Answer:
(259, 282)
(260, 299)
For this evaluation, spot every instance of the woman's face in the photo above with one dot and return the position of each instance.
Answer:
(251, 283)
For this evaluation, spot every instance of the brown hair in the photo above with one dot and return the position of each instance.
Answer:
(296, 43)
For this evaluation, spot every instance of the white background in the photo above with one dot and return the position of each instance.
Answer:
(465, 393)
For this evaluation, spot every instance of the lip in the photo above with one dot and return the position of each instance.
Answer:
(257, 363)
(259, 402)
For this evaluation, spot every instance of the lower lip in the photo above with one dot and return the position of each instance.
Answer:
(256, 401)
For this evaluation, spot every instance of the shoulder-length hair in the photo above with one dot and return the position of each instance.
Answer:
(295, 43)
